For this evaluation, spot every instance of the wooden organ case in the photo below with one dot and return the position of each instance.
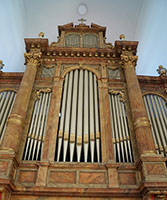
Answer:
(79, 123)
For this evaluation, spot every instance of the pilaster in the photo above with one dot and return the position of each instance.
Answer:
(141, 122)
(15, 121)
(53, 118)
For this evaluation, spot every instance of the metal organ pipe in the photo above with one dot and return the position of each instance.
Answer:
(86, 117)
(120, 131)
(73, 117)
(80, 116)
(67, 119)
(92, 137)
(97, 119)
(37, 128)
(83, 121)
(7, 99)
(62, 117)
(157, 112)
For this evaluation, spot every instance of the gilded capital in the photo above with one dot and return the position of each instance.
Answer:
(129, 60)
(33, 58)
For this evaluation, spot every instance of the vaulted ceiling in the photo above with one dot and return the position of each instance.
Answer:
(142, 20)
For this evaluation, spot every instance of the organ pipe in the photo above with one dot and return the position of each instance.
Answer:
(120, 130)
(37, 127)
(157, 113)
(7, 99)
(81, 92)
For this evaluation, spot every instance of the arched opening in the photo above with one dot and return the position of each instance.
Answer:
(79, 138)
(156, 107)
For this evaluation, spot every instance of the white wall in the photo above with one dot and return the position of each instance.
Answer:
(12, 33)
(142, 20)
(119, 16)
(151, 32)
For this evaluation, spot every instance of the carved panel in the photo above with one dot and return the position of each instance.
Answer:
(127, 178)
(27, 177)
(155, 169)
(92, 178)
(62, 177)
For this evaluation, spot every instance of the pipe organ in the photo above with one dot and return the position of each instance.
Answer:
(37, 127)
(83, 125)
(79, 127)
(7, 98)
(120, 128)
(157, 112)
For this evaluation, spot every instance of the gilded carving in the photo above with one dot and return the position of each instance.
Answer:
(33, 58)
(15, 119)
(162, 71)
(38, 93)
(129, 60)
(142, 122)
(122, 96)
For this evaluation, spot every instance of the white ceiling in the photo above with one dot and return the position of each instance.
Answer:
(142, 20)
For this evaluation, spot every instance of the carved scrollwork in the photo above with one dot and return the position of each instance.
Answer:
(129, 60)
(122, 96)
(33, 58)
(38, 93)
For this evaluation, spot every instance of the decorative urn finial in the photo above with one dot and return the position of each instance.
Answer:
(41, 35)
(122, 37)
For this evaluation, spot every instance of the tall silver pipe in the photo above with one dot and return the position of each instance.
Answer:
(80, 116)
(116, 128)
(124, 139)
(127, 132)
(113, 126)
(46, 119)
(97, 119)
(86, 117)
(119, 128)
(32, 136)
(38, 125)
(67, 120)
(30, 130)
(5, 112)
(158, 121)
(73, 117)
(92, 132)
(42, 123)
(157, 143)
(60, 134)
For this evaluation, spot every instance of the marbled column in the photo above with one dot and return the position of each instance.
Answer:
(16, 119)
(53, 117)
(141, 122)
(106, 131)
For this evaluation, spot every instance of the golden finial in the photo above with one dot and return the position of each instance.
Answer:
(41, 35)
(161, 70)
(122, 37)
(1, 65)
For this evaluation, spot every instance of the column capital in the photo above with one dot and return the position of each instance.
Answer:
(128, 61)
(32, 58)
